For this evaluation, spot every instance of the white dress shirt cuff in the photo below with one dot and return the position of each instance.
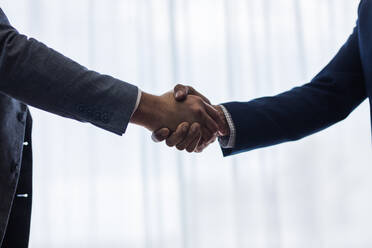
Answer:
(138, 101)
(228, 141)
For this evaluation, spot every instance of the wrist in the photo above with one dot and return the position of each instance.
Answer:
(148, 112)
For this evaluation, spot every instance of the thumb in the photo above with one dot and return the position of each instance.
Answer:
(180, 92)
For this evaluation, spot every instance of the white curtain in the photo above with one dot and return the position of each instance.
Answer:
(95, 189)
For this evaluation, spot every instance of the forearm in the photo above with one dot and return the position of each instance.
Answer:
(290, 116)
(41, 77)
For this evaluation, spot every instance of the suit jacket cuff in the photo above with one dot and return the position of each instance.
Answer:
(122, 106)
(240, 129)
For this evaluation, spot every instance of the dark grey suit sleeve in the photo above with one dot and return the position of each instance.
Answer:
(43, 78)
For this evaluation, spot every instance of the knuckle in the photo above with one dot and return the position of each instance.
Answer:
(199, 112)
(181, 133)
(169, 143)
(184, 127)
(189, 149)
(180, 147)
(198, 129)
(180, 87)
(160, 136)
(193, 130)
(196, 126)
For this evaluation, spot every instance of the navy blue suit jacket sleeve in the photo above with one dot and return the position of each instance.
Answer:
(41, 77)
(329, 98)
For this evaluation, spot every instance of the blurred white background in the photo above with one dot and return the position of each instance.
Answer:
(95, 189)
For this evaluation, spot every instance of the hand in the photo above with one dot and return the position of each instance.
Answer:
(183, 137)
(155, 112)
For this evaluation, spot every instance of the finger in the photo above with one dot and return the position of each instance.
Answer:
(180, 92)
(160, 135)
(194, 144)
(201, 142)
(206, 134)
(204, 144)
(200, 148)
(194, 132)
(210, 141)
(216, 116)
(209, 123)
(179, 135)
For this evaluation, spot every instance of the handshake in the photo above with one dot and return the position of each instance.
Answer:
(183, 117)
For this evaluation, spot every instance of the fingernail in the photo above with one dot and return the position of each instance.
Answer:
(178, 94)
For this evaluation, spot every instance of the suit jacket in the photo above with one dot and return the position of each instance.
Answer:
(33, 74)
(329, 98)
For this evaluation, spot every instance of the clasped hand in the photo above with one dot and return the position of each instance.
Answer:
(183, 117)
